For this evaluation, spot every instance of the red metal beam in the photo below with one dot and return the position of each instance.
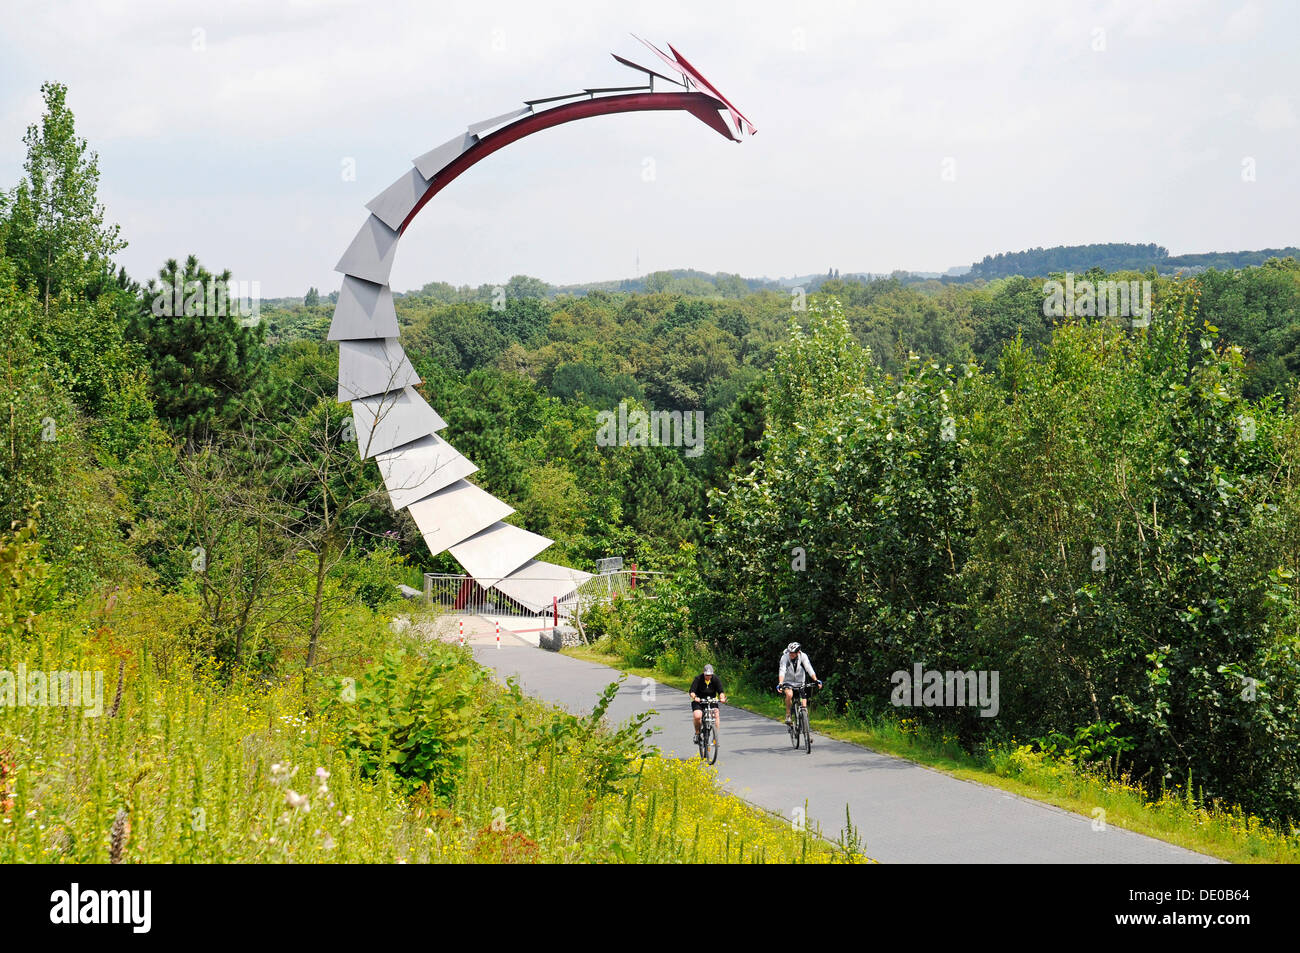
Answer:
(701, 105)
(699, 78)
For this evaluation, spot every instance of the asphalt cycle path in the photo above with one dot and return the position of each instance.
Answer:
(906, 813)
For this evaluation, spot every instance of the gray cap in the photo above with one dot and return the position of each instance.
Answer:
(708, 670)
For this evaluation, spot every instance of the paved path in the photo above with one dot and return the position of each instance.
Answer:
(905, 812)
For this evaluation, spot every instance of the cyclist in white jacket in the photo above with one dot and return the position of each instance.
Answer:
(794, 665)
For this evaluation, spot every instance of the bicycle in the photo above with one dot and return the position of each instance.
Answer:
(708, 737)
(798, 727)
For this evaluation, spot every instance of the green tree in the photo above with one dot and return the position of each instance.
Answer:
(46, 461)
(327, 497)
(1015, 307)
(56, 233)
(223, 526)
(204, 362)
(523, 287)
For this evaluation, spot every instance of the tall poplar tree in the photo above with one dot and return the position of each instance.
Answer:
(55, 231)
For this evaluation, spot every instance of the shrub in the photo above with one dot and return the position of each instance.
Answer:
(375, 576)
(412, 715)
(26, 585)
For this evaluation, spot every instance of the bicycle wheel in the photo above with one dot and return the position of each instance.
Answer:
(710, 753)
(807, 732)
(794, 725)
(702, 736)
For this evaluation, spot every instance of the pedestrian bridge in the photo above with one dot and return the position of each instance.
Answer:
(463, 594)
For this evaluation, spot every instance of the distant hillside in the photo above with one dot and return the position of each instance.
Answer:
(1230, 259)
(1115, 256)
(685, 281)
(1033, 262)
(679, 280)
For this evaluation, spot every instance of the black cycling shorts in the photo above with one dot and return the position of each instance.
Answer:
(696, 706)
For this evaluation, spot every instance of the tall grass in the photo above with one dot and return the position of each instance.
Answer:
(198, 766)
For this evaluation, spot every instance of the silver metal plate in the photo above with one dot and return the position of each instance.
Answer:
(370, 256)
(393, 204)
(386, 421)
(497, 551)
(367, 368)
(420, 468)
(365, 310)
(456, 513)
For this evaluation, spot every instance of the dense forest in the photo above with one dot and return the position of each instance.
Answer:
(1115, 257)
(893, 473)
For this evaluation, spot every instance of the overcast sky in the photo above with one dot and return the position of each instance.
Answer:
(226, 130)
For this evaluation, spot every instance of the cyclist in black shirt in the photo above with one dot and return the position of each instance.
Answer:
(706, 685)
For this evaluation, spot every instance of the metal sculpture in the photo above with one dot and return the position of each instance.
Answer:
(423, 473)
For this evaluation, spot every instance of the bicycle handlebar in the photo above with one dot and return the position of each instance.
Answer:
(803, 689)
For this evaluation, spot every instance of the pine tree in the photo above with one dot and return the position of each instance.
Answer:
(204, 362)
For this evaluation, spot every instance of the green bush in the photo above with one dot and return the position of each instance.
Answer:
(26, 583)
(413, 715)
(375, 576)
(606, 756)
(659, 623)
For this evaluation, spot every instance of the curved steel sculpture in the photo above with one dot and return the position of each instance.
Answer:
(423, 473)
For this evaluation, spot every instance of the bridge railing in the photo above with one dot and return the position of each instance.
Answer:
(460, 594)
(608, 586)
